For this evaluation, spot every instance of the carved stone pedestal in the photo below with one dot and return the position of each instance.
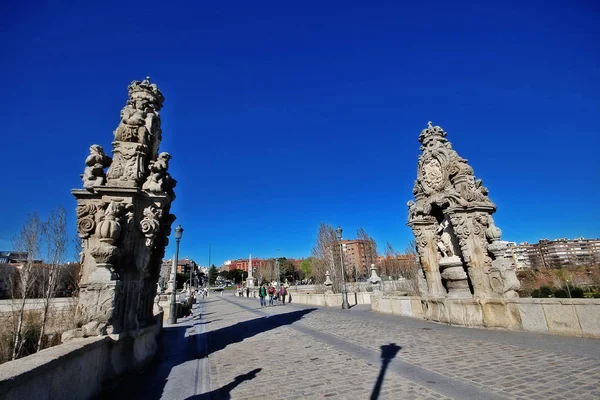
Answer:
(455, 277)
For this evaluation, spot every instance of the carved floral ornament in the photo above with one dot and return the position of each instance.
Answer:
(150, 224)
(86, 223)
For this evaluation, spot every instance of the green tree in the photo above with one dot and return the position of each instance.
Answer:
(306, 267)
(287, 269)
(212, 274)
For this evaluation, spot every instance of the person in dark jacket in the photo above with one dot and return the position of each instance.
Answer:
(262, 293)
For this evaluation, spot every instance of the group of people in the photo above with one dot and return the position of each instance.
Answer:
(272, 293)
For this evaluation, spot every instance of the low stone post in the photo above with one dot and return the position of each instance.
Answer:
(375, 280)
(328, 283)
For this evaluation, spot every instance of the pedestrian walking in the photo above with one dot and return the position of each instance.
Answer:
(262, 294)
(272, 292)
(283, 293)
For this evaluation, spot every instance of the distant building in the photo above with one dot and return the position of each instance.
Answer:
(184, 266)
(519, 254)
(564, 253)
(555, 253)
(243, 263)
(15, 257)
(356, 256)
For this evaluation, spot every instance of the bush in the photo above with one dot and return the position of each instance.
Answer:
(543, 292)
(547, 291)
(577, 293)
(561, 293)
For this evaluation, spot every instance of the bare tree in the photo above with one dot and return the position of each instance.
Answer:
(54, 235)
(28, 241)
(369, 247)
(326, 257)
(401, 266)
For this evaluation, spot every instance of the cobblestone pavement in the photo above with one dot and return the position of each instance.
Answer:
(233, 348)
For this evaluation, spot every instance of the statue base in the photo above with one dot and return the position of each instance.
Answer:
(454, 277)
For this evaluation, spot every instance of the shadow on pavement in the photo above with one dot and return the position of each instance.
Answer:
(388, 352)
(175, 349)
(224, 392)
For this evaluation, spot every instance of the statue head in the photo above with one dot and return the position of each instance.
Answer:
(96, 149)
(147, 94)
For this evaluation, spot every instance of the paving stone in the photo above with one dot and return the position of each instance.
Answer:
(296, 352)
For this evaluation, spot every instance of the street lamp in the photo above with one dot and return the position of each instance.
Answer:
(172, 316)
(345, 305)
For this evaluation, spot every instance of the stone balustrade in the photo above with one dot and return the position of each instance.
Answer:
(571, 317)
(80, 368)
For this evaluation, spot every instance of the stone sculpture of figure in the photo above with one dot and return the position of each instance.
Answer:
(133, 121)
(138, 118)
(159, 179)
(444, 243)
(94, 175)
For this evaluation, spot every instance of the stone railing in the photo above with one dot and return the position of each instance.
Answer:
(329, 300)
(358, 287)
(79, 368)
(572, 317)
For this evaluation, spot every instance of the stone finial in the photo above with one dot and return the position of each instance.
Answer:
(96, 162)
(328, 283)
(492, 233)
(374, 279)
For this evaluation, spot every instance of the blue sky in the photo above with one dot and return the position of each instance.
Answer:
(280, 115)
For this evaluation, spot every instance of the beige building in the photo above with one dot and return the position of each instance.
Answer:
(564, 253)
(518, 254)
(555, 253)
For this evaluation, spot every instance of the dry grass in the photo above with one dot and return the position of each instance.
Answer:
(59, 321)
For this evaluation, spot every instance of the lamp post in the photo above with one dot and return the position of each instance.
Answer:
(345, 305)
(277, 265)
(209, 269)
(172, 316)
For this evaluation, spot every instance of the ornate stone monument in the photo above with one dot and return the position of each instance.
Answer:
(123, 220)
(458, 244)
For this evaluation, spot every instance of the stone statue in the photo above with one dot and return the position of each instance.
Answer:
(94, 175)
(137, 118)
(444, 243)
(138, 136)
(159, 179)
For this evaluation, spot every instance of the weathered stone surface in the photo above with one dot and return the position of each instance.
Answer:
(451, 219)
(532, 317)
(77, 369)
(562, 319)
(498, 313)
(589, 318)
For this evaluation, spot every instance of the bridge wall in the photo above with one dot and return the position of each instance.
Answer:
(330, 300)
(80, 368)
(571, 317)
